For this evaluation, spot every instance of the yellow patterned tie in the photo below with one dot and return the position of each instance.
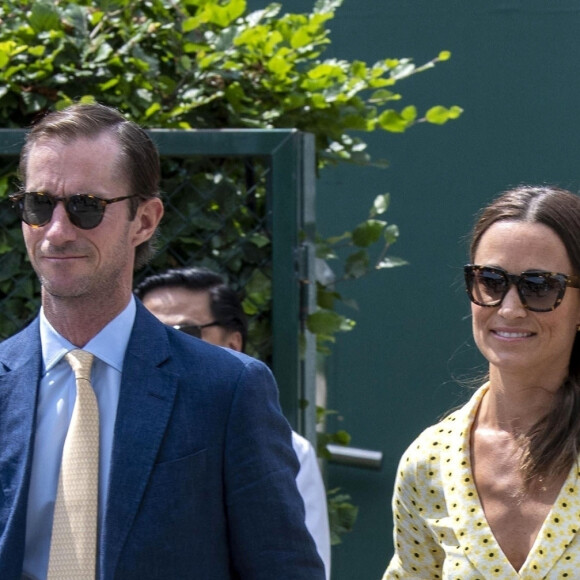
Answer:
(74, 531)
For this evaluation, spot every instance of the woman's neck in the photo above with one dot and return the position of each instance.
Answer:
(515, 403)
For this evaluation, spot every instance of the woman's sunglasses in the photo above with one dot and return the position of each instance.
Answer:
(539, 291)
(85, 211)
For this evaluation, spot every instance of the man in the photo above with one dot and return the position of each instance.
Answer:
(196, 473)
(197, 301)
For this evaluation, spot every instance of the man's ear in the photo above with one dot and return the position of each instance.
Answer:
(149, 214)
(234, 340)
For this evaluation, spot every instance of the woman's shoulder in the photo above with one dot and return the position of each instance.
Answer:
(435, 439)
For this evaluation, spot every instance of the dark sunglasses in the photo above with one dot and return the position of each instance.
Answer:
(195, 329)
(84, 210)
(539, 291)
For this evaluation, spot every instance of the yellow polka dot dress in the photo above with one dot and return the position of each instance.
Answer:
(440, 530)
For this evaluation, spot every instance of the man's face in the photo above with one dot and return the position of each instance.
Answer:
(181, 306)
(70, 262)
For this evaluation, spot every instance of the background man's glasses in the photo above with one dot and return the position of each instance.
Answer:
(195, 329)
(538, 291)
(85, 211)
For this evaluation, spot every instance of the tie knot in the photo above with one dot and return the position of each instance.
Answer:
(81, 362)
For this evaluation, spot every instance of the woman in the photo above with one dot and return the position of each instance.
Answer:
(493, 490)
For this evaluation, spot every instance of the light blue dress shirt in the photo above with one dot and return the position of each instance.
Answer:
(56, 401)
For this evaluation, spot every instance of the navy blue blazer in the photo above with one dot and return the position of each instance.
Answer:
(202, 482)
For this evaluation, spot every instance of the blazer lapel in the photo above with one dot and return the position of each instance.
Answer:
(18, 392)
(145, 403)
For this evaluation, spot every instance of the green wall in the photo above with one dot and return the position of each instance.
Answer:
(515, 71)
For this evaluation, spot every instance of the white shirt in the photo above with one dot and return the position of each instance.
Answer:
(311, 487)
(56, 399)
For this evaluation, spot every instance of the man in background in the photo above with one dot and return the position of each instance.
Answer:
(198, 302)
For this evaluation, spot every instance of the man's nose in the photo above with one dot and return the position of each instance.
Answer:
(60, 229)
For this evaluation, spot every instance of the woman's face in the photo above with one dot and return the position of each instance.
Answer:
(512, 338)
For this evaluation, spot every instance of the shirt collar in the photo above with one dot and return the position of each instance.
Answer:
(108, 345)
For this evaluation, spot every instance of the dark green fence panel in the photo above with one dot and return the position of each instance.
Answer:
(239, 201)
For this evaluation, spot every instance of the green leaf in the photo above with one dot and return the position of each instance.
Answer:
(328, 70)
(392, 121)
(279, 65)
(342, 515)
(359, 69)
(4, 55)
(249, 307)
(368, 232)
(36, 51)
(154, 108)
(326, 322)
(383, 95)
(109, 84)
(191, 23)
(252, 37)
(259, 240)
(44, 16)
(327, 5)
(319, 102)
(391, 234)
(96, 17)
(455, 112)
(440, 115)
(300, 38)
(326, 298)
(380, 204)
(391, 262)
(224, 15)
(404, 68)
(357, 264)
(341, 437)
(104, 52)
(409, 113)
(259, 288)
